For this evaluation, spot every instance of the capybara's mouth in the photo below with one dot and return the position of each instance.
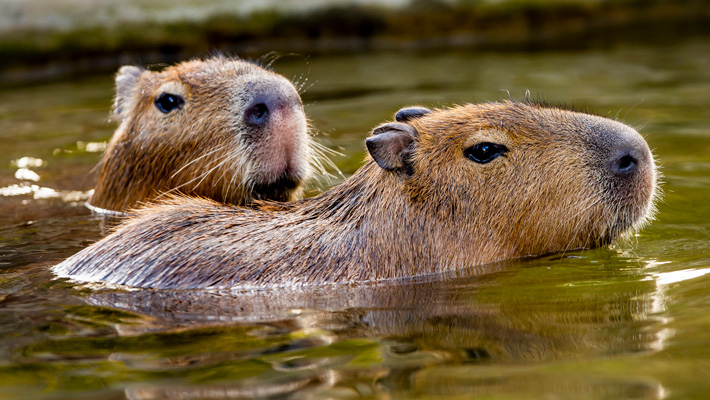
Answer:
(627, 219)
(631, 221)
(279, 189)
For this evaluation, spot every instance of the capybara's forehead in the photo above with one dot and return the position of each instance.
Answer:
(517, 119)
(498, 114)
(218, 69)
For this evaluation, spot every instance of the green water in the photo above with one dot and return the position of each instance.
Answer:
(628, 321)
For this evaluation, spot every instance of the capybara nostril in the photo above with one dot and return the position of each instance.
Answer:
(624, 162)
(257, 114)
(627, 163)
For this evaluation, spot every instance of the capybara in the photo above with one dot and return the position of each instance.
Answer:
(440, 190)
(220, 128)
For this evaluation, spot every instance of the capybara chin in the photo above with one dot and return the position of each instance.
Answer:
(441, 190)
(220, 128)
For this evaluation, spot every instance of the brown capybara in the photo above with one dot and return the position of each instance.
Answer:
(220, 128)
(441, 190)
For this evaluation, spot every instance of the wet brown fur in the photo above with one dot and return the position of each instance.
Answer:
(549, 193)
(200, 149)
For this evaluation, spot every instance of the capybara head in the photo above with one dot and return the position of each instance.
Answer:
(220, 128)
(521, 179)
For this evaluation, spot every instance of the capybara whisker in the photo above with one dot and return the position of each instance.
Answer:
(205, 175)
(321, 160)
(177, 188)
(221, 148)
(229, 160)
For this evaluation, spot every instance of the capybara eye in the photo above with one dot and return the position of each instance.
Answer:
(485, 152)
(167, 102)
(257, 113)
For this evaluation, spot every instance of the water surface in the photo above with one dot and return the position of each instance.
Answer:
(626, 321)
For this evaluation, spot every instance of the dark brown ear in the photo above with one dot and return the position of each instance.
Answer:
(126, 83)
(409, 113)
(391, 145)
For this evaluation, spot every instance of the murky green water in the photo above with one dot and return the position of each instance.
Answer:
(630, 321)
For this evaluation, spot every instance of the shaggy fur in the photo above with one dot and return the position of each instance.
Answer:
(206, 148)
(552, 191)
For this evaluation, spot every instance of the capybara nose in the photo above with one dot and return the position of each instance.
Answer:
(625, 161)
(257, 113)
(629, 155)
(267, 102)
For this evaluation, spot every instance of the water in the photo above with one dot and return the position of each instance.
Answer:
(628, 321)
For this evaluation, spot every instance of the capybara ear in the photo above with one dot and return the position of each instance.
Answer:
(391, 144)
(126, 82)
(408, 113)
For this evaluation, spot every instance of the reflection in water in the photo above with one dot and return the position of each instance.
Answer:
(26, 174)
(26, 162)
(666, 278)
(39, 192)
(406, 337)
(660, 297)
(91, 147)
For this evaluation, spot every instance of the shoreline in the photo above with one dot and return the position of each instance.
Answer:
(40, 55)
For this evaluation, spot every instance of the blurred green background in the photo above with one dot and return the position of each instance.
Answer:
(49, 39)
